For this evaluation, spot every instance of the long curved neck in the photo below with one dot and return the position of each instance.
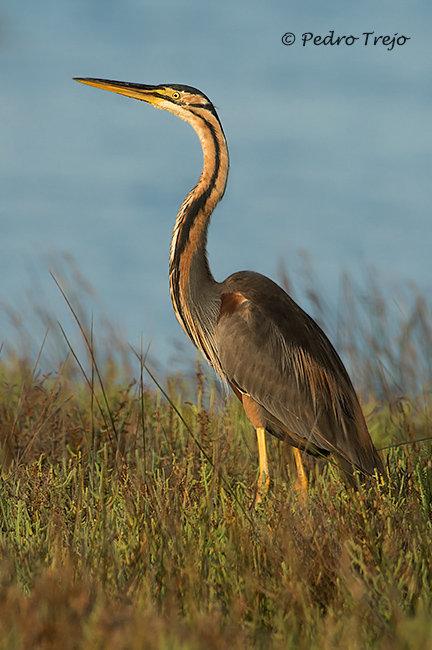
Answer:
(193, 289)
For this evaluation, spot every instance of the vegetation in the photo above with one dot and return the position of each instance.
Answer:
(126, 520)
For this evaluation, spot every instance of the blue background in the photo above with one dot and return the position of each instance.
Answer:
(330, 152)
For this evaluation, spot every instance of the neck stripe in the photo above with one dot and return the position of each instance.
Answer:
(196, 200)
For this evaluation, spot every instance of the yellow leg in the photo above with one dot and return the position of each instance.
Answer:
(264, 477)
(301, 482)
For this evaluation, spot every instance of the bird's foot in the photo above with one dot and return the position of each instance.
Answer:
(301, 482)
(262, 490)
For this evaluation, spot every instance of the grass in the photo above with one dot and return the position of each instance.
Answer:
(118, 531)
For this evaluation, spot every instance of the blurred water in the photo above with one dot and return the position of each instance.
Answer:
(330, 149)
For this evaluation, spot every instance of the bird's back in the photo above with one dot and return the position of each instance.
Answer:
(273, 352)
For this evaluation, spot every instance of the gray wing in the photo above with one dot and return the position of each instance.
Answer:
(272, 351)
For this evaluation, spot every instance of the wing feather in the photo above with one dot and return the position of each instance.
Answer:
(271, 350)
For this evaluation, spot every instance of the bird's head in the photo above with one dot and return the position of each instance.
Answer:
(183, 101)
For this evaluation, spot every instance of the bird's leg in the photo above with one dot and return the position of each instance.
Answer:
(264, 477)
(301, 482)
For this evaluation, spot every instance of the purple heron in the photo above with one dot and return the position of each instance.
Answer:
(278, 361)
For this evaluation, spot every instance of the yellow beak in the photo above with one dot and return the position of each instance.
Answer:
(150, 94)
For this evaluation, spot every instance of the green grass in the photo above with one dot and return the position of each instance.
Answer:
(119, 531)
(105, 546)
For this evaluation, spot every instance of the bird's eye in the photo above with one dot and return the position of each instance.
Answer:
(176, 95)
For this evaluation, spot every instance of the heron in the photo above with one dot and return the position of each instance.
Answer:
(275, 357)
